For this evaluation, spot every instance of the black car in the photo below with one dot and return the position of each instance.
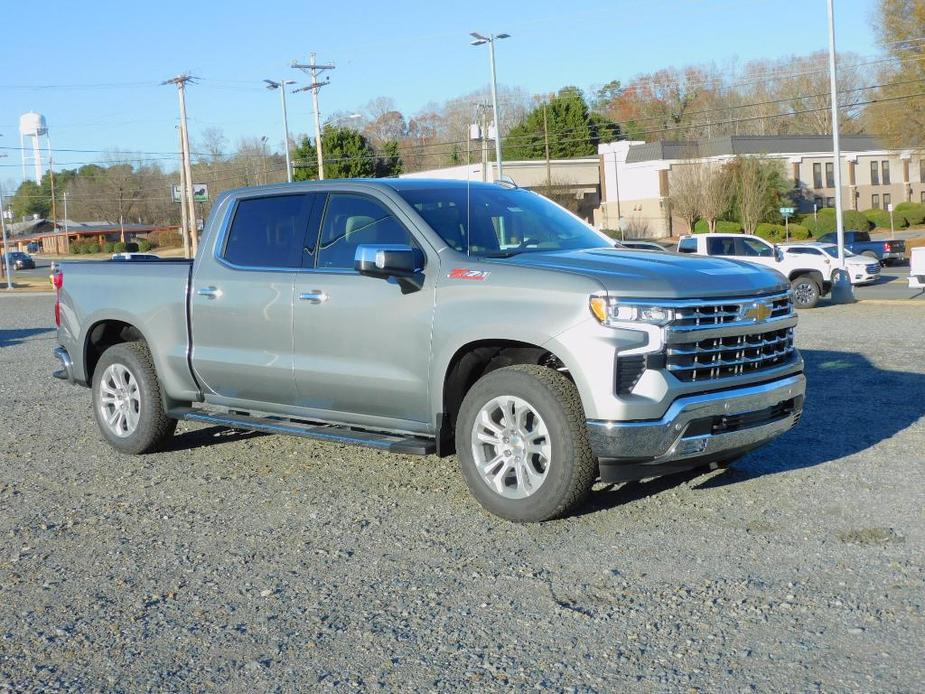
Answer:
(21, 261)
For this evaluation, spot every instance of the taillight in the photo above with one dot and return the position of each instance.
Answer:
(58, 281)
(888, 247)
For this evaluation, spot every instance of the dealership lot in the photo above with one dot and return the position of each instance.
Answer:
(253, 562)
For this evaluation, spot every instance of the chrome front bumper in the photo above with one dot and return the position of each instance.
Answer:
(699, 429)
(66, 372)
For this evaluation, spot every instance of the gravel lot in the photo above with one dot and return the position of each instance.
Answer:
(263, 563)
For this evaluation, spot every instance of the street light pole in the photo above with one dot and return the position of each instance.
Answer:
(481, 39)
(281, 85)
(6, 245)
(842, 291)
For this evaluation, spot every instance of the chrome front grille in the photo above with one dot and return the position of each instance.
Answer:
(713, 340)
(733, 355)
(873, 269)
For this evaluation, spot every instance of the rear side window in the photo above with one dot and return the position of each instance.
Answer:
(268, 232)
(351, 220)
(687, 246)
(861, 236)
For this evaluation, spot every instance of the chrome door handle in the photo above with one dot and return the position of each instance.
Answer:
(209, 292)
(315, 296)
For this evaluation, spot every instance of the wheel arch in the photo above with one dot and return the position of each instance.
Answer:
(469, 363)
(101, 336)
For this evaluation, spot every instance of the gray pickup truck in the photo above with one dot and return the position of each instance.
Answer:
(438, 317)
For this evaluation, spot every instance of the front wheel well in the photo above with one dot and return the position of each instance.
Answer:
(469, 364)
(815, 275)
(104, 335)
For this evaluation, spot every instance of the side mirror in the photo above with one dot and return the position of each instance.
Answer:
(391, 260)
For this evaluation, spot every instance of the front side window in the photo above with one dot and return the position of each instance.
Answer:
(722, 245)
(886, 173)
(817, 175)
(351, 220)
(752, 247)
(874, 174)
(493, 221)
(829, 175)
(268, 232)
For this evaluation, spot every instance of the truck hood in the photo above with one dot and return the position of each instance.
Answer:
(649, 274)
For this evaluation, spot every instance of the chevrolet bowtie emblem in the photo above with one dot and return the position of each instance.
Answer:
(757, 312)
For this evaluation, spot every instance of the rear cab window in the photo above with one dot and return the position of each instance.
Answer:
(687, 246)
(269, 232)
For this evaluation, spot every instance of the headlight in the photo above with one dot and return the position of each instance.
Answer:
(610, 312)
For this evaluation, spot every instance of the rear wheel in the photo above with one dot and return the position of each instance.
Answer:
(522, 444)
(805, 292)
(127, 400)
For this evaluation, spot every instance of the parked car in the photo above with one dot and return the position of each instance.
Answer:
(21, 261)
(809, 278)
(402, 314)
(887, 252)
(644, 245)
(861, 269)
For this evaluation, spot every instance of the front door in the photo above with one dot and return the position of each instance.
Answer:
(241, 302)
(361, 345)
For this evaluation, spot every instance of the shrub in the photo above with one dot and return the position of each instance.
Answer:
(144, 246)
(881, 218)
(168, 238)
(723, 226)
(118, 247)
(107, 247)
(798, 232)
(912, 212)
(770, 232)
(853, 221)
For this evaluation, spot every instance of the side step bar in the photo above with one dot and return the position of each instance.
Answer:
(393, 443)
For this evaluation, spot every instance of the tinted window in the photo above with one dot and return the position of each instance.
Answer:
(886, 172)
(874, 174)
(817, 175)
(802, 251)
(351, 220)
(268, 232)
(687, 246)
(829, 175)
(754, 248)
(723, 245)
(875, 200)
(861, 236)
(496, 221)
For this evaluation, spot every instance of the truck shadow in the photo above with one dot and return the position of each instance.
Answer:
(851, 405)
(208, 436)
(8, 338)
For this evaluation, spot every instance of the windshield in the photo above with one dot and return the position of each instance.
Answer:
(500, 222)
(833, 251)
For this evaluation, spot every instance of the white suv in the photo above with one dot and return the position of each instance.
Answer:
(861, 269)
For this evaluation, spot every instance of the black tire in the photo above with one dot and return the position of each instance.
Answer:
(153, 427)
(805, 292)
(572, 467)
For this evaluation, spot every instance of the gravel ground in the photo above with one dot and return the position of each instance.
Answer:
(263, 563)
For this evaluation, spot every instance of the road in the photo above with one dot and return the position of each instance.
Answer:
(242, 562)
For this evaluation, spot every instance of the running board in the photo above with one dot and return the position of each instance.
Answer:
(393, 443)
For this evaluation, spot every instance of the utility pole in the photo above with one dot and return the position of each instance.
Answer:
(546, 141)
(65, 212)
(187, 185)
(184, 226)
(314, 69)
(6, 246)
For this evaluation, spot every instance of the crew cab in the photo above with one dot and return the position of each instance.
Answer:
(886, 251)
(421, 316)
(809, 278)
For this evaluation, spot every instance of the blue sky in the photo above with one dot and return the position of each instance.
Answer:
(93, 67)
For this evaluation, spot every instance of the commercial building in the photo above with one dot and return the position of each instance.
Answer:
(636, 176)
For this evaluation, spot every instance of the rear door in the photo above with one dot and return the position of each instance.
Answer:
(241, 301)
(362, 344)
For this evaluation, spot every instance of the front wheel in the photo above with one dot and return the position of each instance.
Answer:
(805, 292)
(127, 400)
(522, 444)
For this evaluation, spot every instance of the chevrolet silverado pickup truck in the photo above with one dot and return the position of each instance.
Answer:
(421, 316)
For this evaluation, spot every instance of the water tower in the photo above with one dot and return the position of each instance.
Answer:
(32, 125)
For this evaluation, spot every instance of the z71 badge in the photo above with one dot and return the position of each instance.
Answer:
(462, 273)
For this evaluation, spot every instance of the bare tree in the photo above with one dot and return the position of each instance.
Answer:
(684, 194)
(754, 190)
(715, 191)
